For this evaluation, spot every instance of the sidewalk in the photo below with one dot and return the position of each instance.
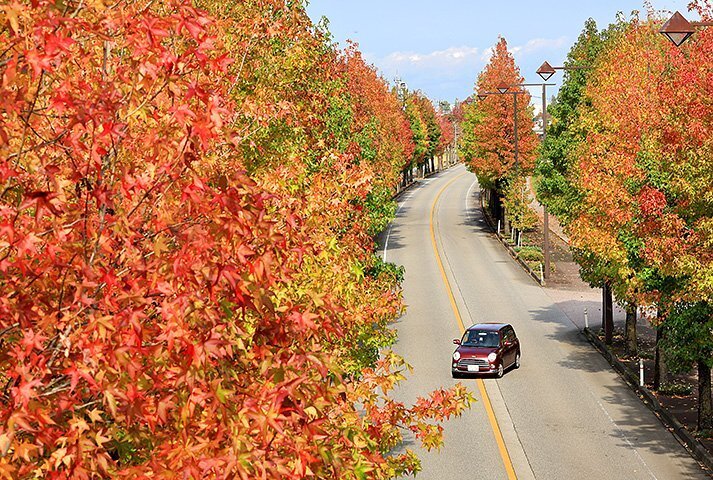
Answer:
(575, 297)
(555, 226)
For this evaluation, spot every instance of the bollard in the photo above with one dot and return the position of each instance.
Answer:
(542, 275)
(519, 239)
(641, 372)
(586, 319)
(498, 227)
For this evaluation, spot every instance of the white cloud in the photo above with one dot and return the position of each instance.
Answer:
(538, 44)
(444, 61)
(453, 71)
(487, 53)
(452, 60)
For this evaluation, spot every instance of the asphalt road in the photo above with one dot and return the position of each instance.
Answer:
(564, 414)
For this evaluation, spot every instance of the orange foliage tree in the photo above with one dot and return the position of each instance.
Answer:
(184, 250)
(381, 134)
(447, 125)
(488, 143)
(642, 171)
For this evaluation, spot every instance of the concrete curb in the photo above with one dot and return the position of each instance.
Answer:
(695, 448)
(510, 250)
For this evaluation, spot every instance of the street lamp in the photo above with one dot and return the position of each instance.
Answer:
(546, 216)
(503, 89)
(678, 29)
(546, 70)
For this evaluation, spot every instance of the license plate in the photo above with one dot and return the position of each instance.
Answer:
(473, 368)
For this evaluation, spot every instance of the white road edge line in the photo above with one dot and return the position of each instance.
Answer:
(468, 216)
(391, 225)
(623, 436)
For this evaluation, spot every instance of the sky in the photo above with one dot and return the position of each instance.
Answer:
(440, 47)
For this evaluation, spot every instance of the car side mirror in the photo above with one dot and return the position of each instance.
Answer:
(456, 341)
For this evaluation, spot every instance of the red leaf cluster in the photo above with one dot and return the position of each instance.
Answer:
(645, 164)
(489, 125)
(164, 313)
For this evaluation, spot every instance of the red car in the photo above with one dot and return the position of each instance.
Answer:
(486, 348)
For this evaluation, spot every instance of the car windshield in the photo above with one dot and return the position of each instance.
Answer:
(478, 338)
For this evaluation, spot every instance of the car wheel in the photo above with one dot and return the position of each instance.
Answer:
(517, 361)
(455, 374)
(500, 371)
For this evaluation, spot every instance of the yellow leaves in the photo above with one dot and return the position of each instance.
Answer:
(79, 425)
(95, 415)
(97, 4)
(311, 412)
(159, 245)
(5, 442)
(111, 402)
(12, 12)
(223, 394)
(332, 244)
(357, 270)
(61, 458)
(104, 325)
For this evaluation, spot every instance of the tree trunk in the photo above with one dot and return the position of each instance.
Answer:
(705, 404)
(494, 205)
(607, 314)
(630, 332)
(506, 224)
(660, 369)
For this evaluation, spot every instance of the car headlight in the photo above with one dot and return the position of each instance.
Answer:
(456, 356)
(492, 357)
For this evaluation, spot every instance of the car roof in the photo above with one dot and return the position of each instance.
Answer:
(494, 327)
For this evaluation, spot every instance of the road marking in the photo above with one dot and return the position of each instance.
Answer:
(467, 198)
(481, 385)
(623, 436)
(388, 234)
(452, 299)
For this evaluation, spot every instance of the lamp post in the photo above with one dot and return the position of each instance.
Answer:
(503, 89)
(546, 70)
(546, 216)
(401, 94)
(546, 226)
(678, 29)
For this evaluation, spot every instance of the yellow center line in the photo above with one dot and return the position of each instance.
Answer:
(481, 385)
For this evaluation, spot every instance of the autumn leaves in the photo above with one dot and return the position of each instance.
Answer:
(488, 144)
(189, 197)
(626, 167)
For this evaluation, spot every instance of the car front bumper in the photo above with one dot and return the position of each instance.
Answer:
(468, 367)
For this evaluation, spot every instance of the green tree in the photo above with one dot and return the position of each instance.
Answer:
(558, 171)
